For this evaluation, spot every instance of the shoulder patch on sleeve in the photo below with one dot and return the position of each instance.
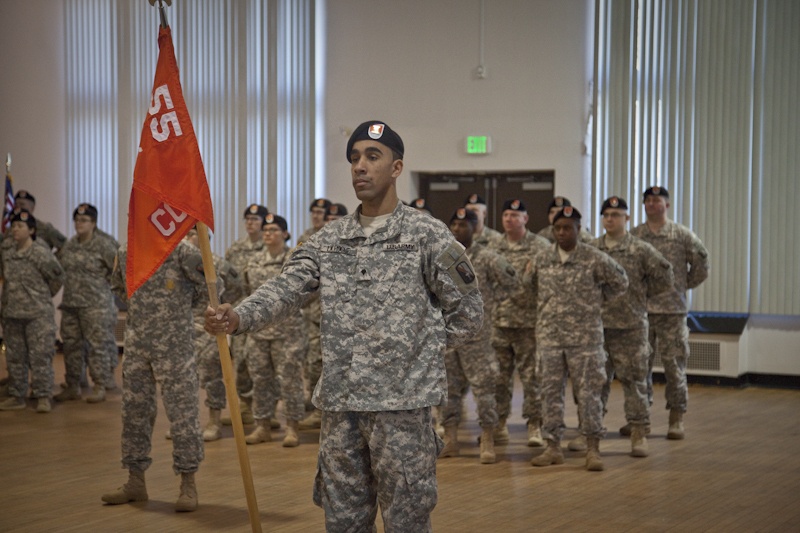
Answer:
(455, 261)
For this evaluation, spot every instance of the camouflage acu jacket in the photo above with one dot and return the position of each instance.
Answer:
(689, 258)
(391, 303)
(570, 295)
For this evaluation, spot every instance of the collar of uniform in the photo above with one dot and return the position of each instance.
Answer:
(524, 242)
(624, 242)
(352, 228)
(578, 251)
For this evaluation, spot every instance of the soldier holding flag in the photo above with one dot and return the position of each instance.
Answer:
(162, 277)
(396, 290)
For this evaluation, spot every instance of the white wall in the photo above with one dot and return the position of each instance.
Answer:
(773, 344)
(411, 64)
(32, 116)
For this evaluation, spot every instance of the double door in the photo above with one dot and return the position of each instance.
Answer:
(446, 191)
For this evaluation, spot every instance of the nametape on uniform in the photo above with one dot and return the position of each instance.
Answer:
(336, 249)
(399, 247)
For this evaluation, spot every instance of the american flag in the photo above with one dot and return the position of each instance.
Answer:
(8, 205)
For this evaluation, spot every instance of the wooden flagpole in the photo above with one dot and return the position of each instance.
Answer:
(230, 384)
(225, 357)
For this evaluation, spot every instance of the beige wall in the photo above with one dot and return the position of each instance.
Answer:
(32, 120)
(411, 63)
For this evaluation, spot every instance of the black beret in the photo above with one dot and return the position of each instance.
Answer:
(85, 209)
(25, 216)
(568, 212)
(655, 190)
(558, 201)
(279, 221)
(338, 210)
(420, 203)
(465, 214)
(377, 131)
(324, 203)
(256, 209)
(514, 205)
(474, 199)
(614, 202)
(25, 195)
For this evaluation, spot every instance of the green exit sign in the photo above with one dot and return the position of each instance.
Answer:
(479, 144)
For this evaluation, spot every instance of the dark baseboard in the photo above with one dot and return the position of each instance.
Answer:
(774, 381)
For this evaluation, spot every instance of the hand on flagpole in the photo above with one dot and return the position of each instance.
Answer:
(223, 319)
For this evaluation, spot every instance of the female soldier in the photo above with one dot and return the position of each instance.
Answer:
(32, 277)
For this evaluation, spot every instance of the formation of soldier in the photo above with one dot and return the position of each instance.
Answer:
(557, 305)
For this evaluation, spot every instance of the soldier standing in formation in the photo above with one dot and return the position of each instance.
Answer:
(159, 349)
(625, 319)
(88, 312)
(230, 286)
(570, 282)
(396, 290)
(669, 334)
(474, 364)
(514, 332)
(32, 276)
(275, 352)
(239, 255)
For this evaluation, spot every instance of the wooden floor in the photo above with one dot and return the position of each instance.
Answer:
(737, 470)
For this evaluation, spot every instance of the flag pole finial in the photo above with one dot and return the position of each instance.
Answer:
(161, 11)
(8, 162)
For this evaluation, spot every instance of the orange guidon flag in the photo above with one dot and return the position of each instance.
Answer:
(170, 192)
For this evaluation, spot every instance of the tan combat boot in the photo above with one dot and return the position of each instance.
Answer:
(43, 405)
(552, 455)
(98, 394)
(450, 441)
(593, 461)
(675, 431)
(244, 411)
(535, 434)
(639, 446)
(501, 432)
(245, 407)
(488, 456)
(262, 433)
(578, 444)
(132, 491)
(187, 501)
(291, 440)
(70, 392)
(312, 421)
(213, 429)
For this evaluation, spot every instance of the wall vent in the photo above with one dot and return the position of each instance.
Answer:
(712, 355)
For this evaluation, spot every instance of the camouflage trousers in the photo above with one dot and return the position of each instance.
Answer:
(30, 344)
(472, 364)
(385, 458)
(628, 352)
(281, 361)
(585, 365)
(516, 348)
(243, 382)
(669, 338)
(88, 327)
(209, 368)
(176, 372)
